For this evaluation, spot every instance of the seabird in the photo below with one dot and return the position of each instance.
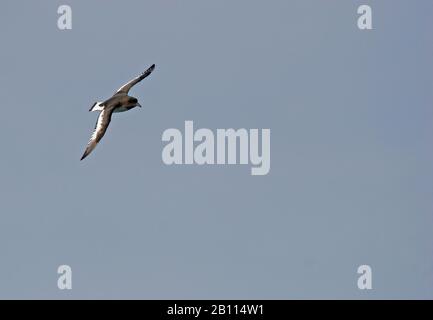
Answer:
(119, 102)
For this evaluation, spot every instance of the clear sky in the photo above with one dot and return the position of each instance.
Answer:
(351, 178)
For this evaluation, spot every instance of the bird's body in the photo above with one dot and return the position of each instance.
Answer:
(119, 102)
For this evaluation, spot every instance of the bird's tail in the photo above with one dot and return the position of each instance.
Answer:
(97, 106)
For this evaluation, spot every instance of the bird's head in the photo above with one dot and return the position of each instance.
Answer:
(134, 102)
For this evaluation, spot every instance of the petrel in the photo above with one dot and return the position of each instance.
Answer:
(119, 102)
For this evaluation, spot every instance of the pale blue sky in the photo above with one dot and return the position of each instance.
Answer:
(351, 180)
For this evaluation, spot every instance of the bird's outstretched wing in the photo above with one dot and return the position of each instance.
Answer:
(100, 128)
(127, 86)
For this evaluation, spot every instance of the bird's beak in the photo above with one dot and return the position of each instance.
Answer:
(139, 105)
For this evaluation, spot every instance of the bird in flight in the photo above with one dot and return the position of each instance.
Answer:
(119, 102)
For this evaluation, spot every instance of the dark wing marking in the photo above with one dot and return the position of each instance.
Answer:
(127, 86)
(100, 128)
